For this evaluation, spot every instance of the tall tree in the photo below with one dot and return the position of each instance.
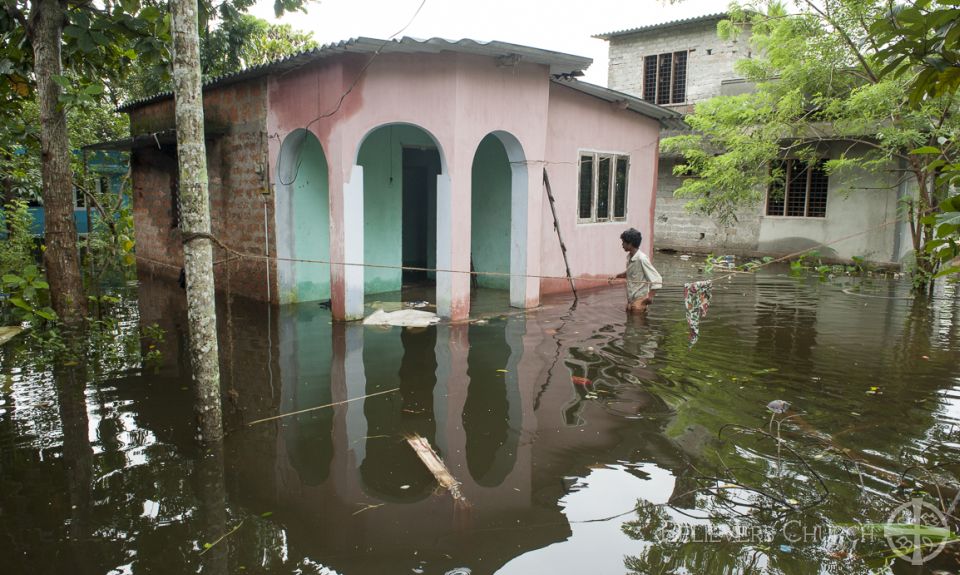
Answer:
(194, 199)
(921, 42)
(70, 52)
(45, 30)
(96, 41)
(818, 74)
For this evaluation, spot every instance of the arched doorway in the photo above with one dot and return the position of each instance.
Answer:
(302, 219)
(499, 216)
(401, 165)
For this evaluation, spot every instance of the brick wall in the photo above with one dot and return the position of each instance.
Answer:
(235, 117)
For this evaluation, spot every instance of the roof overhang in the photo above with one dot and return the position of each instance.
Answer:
(154, 140)
(505, 53)
(663, 25)
(667, 118)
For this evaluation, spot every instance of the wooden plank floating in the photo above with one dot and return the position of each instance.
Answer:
(435, 465)
(8, 332)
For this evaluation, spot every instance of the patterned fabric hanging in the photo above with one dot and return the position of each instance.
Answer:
(696, 297)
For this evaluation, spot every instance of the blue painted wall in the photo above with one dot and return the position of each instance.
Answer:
(381, 157)
(110, 165)
(311, 221)
(490, 232)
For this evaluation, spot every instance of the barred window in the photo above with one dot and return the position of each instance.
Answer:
(650, 78)
(665, 78)
(602, 193)
(798, 190)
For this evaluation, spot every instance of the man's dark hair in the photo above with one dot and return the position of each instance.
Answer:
(632, 237)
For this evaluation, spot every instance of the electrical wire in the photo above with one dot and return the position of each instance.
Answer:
(356, 80)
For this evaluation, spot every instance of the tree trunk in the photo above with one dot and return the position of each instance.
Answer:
(195, 225)
(8, 197)
(61, 258)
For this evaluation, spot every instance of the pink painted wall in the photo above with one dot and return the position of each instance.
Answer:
(456, 98)
(581, 122)
(459, 99)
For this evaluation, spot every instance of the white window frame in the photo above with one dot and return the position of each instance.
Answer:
(594, 186)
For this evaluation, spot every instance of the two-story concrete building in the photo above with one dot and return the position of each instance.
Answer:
(681, 63)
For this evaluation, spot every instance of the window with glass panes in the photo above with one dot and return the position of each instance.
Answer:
(602, 193)
(798, 190)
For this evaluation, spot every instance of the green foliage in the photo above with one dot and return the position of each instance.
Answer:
(821, 92)
(811, 262)
(16, 249)
(945, 247)
(25, 289)
(28, 294)
(713, 262)
(107, 346)
(111, 241)
(921, 41)
(242, 41)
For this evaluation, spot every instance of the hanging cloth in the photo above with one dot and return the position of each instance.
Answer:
(696, 297)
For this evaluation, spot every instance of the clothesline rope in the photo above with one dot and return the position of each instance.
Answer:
(235, 255)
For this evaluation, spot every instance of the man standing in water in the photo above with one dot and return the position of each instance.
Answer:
(642, 278)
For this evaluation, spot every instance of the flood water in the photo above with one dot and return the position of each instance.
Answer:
(585, 441)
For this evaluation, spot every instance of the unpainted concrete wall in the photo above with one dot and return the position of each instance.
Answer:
(710, 60)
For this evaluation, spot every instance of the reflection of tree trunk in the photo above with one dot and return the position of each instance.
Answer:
(917, 329)
(77, 457)
(212, 495)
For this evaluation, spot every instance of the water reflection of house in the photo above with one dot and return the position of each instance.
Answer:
(344, 484)
(425, 154)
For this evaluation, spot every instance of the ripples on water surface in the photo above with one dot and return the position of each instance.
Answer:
(586, 442)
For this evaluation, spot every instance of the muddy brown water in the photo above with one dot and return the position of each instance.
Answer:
(585, 441)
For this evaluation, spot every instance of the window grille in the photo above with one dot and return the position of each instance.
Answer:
(800, 190)
(665, 78)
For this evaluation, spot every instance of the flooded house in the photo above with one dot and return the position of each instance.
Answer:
(356, 168)
(681, 63)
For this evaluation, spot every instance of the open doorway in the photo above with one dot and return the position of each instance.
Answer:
(420, 169)
(401, 164)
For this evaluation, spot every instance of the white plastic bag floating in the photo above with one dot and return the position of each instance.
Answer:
(402, 318)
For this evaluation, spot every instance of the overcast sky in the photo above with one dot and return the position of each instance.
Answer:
(561, 25)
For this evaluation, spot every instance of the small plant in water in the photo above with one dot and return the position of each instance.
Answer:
(727, 263)
(28, 293)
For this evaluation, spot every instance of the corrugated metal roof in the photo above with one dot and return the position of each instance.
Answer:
(667, 118)
(559, 62)
(670, 24)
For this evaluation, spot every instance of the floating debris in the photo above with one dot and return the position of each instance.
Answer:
(8, 332)
(435, 465)
(402, 318)
(778, 406)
